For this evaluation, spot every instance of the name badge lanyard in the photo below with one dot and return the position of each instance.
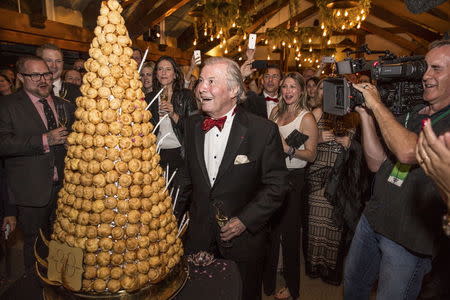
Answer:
(400, 171)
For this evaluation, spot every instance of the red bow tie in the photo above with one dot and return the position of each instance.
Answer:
(272, 99)
(209, 123)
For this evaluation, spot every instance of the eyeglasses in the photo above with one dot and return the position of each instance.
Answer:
(37, 76)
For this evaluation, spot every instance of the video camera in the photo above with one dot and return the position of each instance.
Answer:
(399, 82)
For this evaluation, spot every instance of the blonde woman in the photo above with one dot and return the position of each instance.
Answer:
(290, 114)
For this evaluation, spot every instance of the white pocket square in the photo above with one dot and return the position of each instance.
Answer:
(241, 159)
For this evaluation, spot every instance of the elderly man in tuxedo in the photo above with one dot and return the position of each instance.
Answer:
(234, 168)
(32, 144)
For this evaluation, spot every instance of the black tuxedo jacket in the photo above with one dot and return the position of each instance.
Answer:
(69, 92)
(251, 191)
(29, 169)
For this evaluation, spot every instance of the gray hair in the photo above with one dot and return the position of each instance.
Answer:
(233, 75)
(439, 43)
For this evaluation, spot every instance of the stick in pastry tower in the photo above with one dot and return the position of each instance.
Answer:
(114, 204)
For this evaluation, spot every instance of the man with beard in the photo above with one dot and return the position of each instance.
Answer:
(53, 57)
(32, 144)
(234, 168)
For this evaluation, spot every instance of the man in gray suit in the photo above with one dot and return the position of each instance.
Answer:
(32, 144)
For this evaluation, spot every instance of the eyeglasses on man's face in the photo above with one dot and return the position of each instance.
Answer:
(37, 76)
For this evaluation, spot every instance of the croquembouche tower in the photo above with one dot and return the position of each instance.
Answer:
(115, 204)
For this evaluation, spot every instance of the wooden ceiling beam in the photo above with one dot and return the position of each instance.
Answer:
(142, 18)
(426, 20)
(411, 27)
(396, 39)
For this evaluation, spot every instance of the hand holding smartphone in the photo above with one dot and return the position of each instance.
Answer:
(252, 41)
(197, 57)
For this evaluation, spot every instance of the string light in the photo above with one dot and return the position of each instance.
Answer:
(239, 48)
(195, 42)
(226, 51)
(341, 19)
(310, 49)
(268, 57)
(266, 42)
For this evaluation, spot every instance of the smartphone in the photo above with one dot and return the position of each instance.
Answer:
(260, 64)
(197, 57)
(328, 59)
(251, 41)
(7, 231)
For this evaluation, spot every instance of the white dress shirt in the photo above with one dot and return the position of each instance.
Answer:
(57, 86)
(170, 141)
(269, 104)
(215, 144)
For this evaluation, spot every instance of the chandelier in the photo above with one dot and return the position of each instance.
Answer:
(306, 44)
(215, 19)
(340, 15)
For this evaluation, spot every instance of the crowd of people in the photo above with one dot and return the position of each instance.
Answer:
(365, 195)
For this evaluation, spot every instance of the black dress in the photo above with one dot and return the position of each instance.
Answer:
(324, 238)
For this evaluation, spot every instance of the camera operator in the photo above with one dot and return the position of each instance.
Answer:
(400, 228)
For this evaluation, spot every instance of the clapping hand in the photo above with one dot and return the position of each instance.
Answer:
(433, 155)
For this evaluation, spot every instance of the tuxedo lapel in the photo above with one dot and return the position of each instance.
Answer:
(199, 142)
(30, 110)
(237, 134)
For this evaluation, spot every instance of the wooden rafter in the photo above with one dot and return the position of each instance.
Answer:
(396, 39)
(426, 20)
(409, 26)
(142, 18)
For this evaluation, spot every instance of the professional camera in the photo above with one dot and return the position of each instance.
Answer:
(399, 82)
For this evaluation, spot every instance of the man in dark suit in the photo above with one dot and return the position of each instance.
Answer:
(32, 144)
(236, 159)
(53, 57)
(263, 104)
